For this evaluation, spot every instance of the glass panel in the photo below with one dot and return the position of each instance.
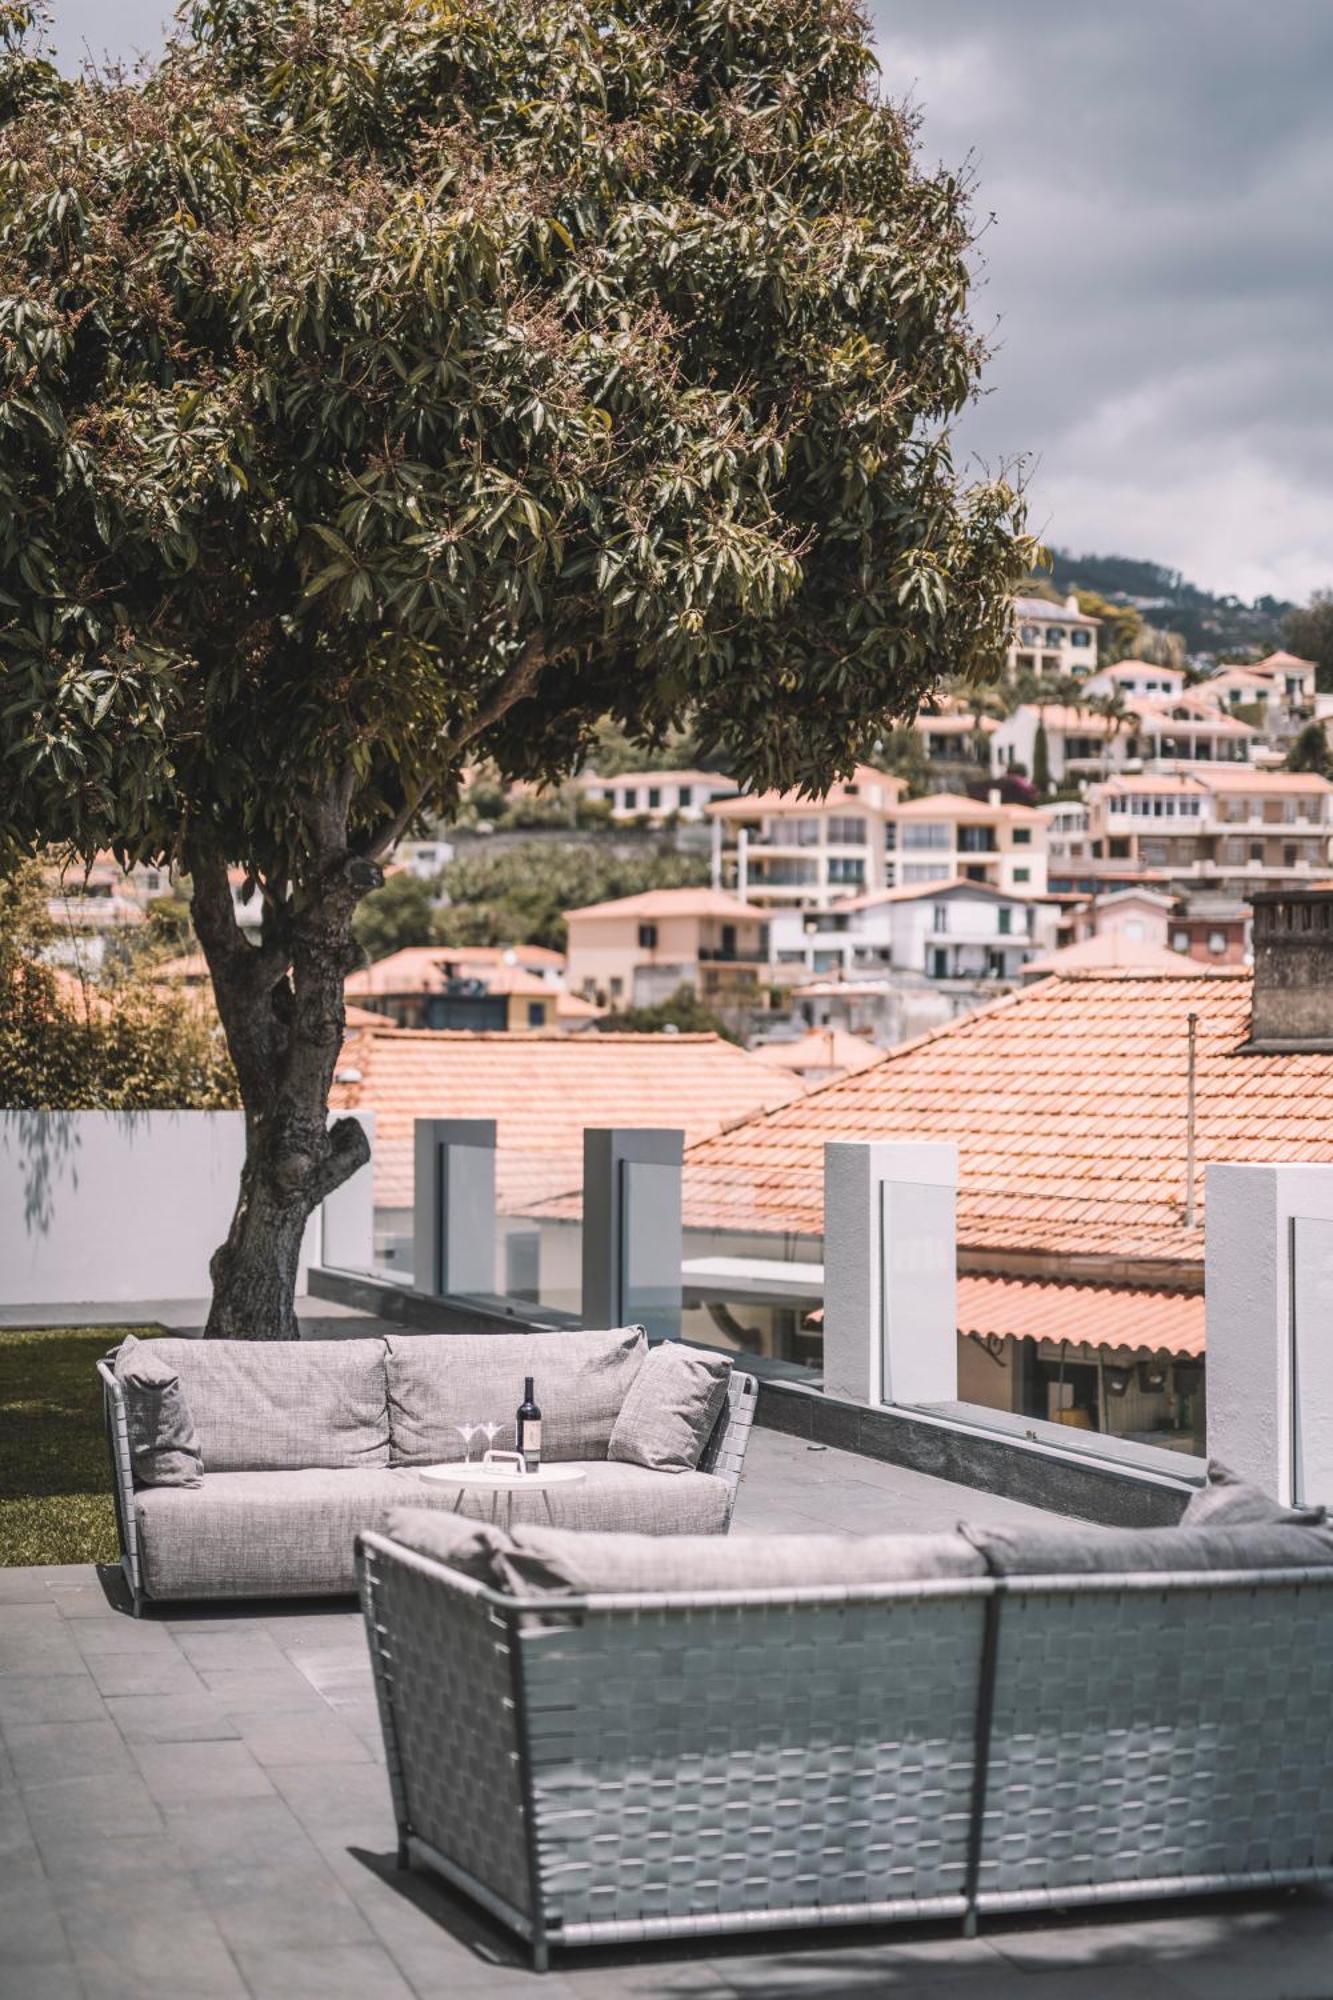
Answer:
(1312, 1359)
(751, 1282)
(650, 1247)
(539, 1229)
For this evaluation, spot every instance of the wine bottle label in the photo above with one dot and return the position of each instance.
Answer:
(532, 1435)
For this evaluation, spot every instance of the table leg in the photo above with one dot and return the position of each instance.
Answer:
(550, 1511)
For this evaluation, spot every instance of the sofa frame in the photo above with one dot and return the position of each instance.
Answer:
(624, 1768)
(724, 1456)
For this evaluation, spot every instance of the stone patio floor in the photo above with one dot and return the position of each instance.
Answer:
(194, 1805)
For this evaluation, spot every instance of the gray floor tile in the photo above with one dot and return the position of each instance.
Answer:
(159, 1673)
(101, 1873)
(31, 1932)
(341, 1972)
(48, 1698)
(41, 1752)
(142, 1638)
(260, 1908)
(135, 1953)
(249, 1648)
(279, 1689)
(72, 1810)
(35, 1640)
(236, 1834)
(40, 1982)
(194, 1773)
(300, 1739)
(170, 1718)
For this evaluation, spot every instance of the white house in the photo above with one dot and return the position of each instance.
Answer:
(953, 929)
(1052, 639)
(1157, 732)
(1134, 677)
(658, 795)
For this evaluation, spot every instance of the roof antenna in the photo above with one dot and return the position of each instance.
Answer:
(1192, 1030)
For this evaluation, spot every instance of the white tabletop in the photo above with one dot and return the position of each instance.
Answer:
(502, 1478)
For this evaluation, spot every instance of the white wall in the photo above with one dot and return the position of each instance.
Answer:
(100, 1206)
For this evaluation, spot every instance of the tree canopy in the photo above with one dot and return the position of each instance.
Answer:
(386, 384)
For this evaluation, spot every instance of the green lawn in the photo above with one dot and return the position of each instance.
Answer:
(55, 1476)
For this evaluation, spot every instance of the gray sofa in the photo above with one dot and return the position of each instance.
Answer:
(606, 1741)
(305, 1443)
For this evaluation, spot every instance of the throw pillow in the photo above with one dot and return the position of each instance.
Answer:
(1227, 1501)
(669, 1412)
(164, 1445)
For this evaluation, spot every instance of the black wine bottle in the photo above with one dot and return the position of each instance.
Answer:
(528, 1428)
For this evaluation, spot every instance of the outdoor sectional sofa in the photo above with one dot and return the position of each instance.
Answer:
(304, 1443)
(603, 1740)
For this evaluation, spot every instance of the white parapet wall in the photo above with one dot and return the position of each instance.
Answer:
(890, 1261)
(102, 1206)
(1269, 1288)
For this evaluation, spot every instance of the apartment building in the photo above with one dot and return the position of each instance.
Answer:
(1246, 827)
(658, 795)
(638, 950)
(949, 930)
(1135, 677)
(1051, 640)
(946, 836)
(788, 850)
(1156, 732)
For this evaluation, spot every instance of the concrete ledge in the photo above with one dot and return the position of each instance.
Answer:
(423, 1314)
(1061, 1480)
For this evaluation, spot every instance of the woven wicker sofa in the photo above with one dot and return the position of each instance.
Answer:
(964, 1736)
(305, 1443)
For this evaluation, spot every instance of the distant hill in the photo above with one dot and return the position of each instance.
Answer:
(1206, 623)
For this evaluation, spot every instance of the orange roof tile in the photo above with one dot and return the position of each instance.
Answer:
(1068, 1103)
(542, 1090)
(1126, 1318)
(672, 903)
(954, 805)
(1112, 951)
(856, 790)
(823, 1048)
(424, 968)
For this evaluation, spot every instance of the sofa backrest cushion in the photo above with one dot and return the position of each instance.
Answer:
(1091, 1551)
(464, 1544)
(1227, 1500)
(563, 1561)
(438, 1381)
(164, 1444)
(279, 1405)
(673, 1403)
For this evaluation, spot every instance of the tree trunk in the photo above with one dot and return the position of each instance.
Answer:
(281, 1006)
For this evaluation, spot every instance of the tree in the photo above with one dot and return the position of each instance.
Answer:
(1310, 751)
(1041, 759)
(68, 1045)
(1122, 627)
(386, 386)
(1309, 634)
(682, 1013)
(519, 895)
(399, 914)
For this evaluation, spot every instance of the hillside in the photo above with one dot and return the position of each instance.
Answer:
(1207, 623)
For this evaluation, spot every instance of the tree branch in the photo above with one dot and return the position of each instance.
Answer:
(517, 682)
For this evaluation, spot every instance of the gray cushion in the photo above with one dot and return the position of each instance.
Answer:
(1227, 1500)
(455, 1539)
(609, 1496)
(437, 1381)
(547, 1560)
(163, 1443)
(673, 1403)
(1085, 1551)
(269, 1406)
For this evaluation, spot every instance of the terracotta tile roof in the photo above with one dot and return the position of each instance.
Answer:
(954, 805)
(543, 1089)
(1170, 784)
(951, 722)
(920, 892)
(1238, 779)
(1113, 952)
(823, 1048)
(718, 778)
(1039, 608)
(673, 903)
(1068, 1104)
(1127, 1319)
(858, 790)
(1281, 662)
(424, 968)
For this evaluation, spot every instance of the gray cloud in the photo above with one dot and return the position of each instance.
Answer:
(1159, 278)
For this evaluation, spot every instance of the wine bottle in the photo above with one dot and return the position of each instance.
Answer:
(528, 1428)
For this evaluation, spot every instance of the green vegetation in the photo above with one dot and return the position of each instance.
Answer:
(1310, 751)
(683, 1013)
(55, 1474)
(72, 1045)
(394, 917)
(1041, 759)
(1309, 634)
(518, 895)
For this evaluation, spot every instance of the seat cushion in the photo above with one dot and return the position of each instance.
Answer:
(1229, 1501)
(278, 1405)
(438, 1381)
(545, 1560)
(673, 1403)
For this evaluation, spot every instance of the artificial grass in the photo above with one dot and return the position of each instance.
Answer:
(55, 1474)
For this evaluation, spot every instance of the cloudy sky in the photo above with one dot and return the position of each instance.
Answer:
(1159, 275)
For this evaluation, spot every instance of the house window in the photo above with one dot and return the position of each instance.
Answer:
(846, 832)
(728, 940)
(1080, 638)
(1180, 940)
(1056, 635)
(846, 868)
(1022, 836)
(1005, 920)
(536, 1013)
(631, 799)
(1289, 853)
(925, 835)
(615, 986)
(654, 797)
(647, 937)
(940, 917)
(1256, 850)
(1030, 635)
(1022, 874)
(685, 795)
